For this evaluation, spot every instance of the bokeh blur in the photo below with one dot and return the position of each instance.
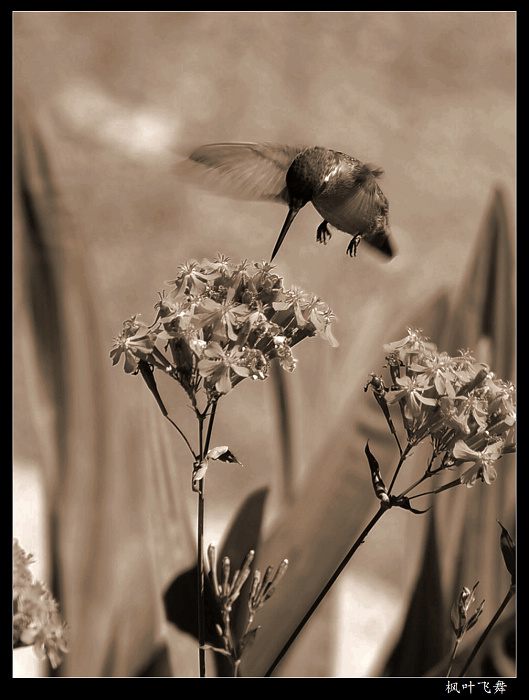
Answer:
(105, 103)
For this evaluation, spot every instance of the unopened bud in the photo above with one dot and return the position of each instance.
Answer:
(461, 620)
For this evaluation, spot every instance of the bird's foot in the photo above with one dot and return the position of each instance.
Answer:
(323, 233)
(353, 245)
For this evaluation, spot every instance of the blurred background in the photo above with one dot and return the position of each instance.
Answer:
(105, 102)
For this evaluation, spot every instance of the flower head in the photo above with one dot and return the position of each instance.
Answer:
(221, 323)
(412, 345)
(36, 619)
(484, 461)
(467, 412)
(135, 342)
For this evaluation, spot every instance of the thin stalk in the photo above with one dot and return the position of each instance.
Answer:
(147, 373)
(505, 602)
(453, 656)
(200, 580)
(327, 587)
(182, 434)
(204, 446)
(200, 555)
(403, 456)
(450, 485)
(427, 475)
(210, 427)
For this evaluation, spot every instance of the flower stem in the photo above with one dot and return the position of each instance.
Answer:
(505, 602)
(403, 455)
(327, 587)
(204, 446)
(450, 485)
(182, 435)
(210, 428)
(453, 656)
(200, 580)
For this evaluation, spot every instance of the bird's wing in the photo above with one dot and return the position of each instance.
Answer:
(252, 171)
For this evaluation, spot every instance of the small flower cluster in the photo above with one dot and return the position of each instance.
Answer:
(36, 619)
(465, 409)
(223, 322)
(227, 591)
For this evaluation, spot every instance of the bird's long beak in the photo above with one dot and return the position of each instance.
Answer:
(293, 210)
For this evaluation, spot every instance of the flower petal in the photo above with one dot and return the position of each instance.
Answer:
(462, 451)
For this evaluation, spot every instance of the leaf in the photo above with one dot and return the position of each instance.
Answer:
(376, 478)
(223, 454)
(419, 648)
(508, 551)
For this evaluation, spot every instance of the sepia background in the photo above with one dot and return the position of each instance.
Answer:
(105, 103)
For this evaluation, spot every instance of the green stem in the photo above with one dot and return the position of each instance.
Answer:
(327, 587)
(506, 600)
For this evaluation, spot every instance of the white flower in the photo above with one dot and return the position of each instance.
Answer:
(484, 461)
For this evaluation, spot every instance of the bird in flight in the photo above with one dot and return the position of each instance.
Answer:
(342, 189)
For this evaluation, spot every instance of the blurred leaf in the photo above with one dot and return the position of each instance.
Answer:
(508, 551)
(418, 648)
(95, 497)
(314, 533)
(279, 379)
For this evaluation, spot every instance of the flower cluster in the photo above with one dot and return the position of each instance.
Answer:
(36, 619)
(465, 409)
(221, 323)
(227, 589)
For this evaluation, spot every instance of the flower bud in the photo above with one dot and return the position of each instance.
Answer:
(462, 621)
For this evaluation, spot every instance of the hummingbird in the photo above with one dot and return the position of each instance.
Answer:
(342, 189)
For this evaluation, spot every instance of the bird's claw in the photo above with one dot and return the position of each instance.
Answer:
(323, 233)
(353, 245)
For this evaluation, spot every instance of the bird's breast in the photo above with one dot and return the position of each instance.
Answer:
(331, 211)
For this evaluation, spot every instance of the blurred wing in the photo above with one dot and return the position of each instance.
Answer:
(243, 170)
